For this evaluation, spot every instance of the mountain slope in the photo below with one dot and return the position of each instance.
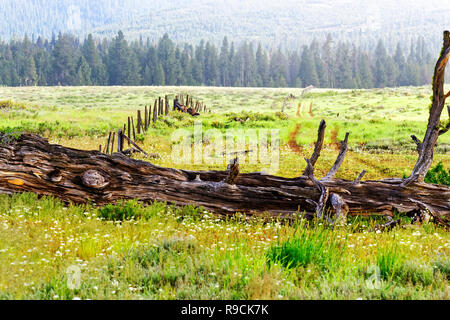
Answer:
(286, 22)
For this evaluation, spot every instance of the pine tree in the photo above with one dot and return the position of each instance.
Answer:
(90, 52)
(224, 63)
(308, 72)
(344, 76)
(83, 73)
(64, 58)
(262, 67)
(328, 63)
(293, 69)
(399, 60)
(380, 71)
(118, 61)
(166, 56)
(210, 65)
(365, 71)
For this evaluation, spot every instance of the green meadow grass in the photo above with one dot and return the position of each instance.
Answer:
(164, 252)
(160, 251)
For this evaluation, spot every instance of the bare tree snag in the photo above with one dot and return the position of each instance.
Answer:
(426, 147)
(233, 171)
(427, 213)
(417, 142)
(340, 209)
(135, 145)
(388, 225)
(360, 176)
(318, 145)
(340, 158)
(324, 192)
(447, 127)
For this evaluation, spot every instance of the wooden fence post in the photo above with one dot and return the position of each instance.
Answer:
(146, 118)
(149, 114)
(139, 120)
(155, 112)
(119, 141)
(112, 144)
(134, 131)
(167, 105)
(129, 129)
(107, 144)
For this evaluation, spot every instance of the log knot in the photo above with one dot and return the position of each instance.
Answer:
(94, 179)
(55, 176)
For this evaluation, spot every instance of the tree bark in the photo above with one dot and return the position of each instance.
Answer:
(31, 164)
(426, 147)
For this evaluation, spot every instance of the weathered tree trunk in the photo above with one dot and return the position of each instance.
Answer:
(426, 147)
(30, 163)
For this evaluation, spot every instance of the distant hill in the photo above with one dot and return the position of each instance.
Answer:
(289, 23)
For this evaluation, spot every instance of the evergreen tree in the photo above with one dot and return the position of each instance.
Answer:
(262, 67)
(166, 56)
(365, 71)
(293, 69)
(380, 72)
(328, 63)
(308, 72)
(123, 67)
(64, 58)
(90, 52)
(224, 64)
(399, 60)
(210, 65)
(83, 73)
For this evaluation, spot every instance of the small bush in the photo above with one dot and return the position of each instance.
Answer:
(438, 175)
(443, 265)
(410, 272)
(121, 211)
(11, 105)
(281, 115)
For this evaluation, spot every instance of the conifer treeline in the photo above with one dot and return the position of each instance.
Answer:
(65, 60)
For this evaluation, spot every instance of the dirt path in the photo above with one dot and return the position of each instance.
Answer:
(292, 142)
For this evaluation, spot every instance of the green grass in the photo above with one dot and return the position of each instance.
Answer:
(168, 252)
(159, 251)
(305, 247)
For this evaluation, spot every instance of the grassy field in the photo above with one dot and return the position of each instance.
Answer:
(129, 251)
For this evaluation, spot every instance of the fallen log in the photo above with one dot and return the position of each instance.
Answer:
(30, 164)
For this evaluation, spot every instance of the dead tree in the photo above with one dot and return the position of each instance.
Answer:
(434, 129)
(30, 164)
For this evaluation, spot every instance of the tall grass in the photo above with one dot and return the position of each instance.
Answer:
(318, 247)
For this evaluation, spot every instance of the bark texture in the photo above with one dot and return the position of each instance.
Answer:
(426, 147)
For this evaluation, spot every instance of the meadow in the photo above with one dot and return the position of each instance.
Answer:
(159, 251)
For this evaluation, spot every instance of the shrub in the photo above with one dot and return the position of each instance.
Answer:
(443, 265)
(121, 211)
(11, 105)
(438, 175)
(281, 115)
